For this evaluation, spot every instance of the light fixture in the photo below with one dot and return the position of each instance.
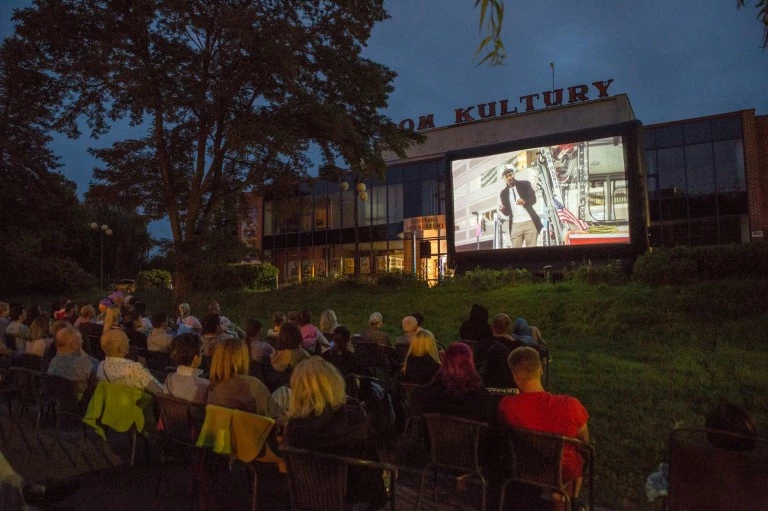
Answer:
(361, 188)
(94, 225)
(344, 186)
(363, 195)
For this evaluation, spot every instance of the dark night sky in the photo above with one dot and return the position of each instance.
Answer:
(675, 59)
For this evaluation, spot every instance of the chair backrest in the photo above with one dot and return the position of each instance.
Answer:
(402, 350)
(157, 360)
(29, 384)
(234, 433)
(318, 480)
(412, 395)
(180, 418)
(93, 348)
(454, 441)
(10, 341)
(536, 458)
(118, 407)
(31, 361)
(65, 392)
(704, 476)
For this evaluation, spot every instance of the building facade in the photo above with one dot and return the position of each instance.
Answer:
(706, 182)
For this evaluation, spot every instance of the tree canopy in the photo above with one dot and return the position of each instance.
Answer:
(232, 95)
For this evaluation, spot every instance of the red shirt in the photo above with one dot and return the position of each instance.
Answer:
(542, 411)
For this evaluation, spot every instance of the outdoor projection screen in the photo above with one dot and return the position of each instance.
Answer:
(571, 194)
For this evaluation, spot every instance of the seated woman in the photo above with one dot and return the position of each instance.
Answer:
(328, 323)
(313, 339)
(341, 356)
(278, 319)
(186, 382)
(232, 387)
(260, 350)
(39, 337)
(422, 361)
(457, 389)
(288, 351)
(319, 419)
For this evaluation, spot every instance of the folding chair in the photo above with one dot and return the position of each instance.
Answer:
(68, 404)
(181, 424)
(318, 481)
(536, 459)
(454, 447)
(32, 391)
(705, 477)
(240, 436)
(120, 408)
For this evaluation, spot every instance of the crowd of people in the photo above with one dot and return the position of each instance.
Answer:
(327, 388)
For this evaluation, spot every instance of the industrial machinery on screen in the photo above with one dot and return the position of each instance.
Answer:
(569, 194)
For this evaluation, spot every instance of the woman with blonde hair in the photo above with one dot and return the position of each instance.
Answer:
(232, 387)
(111, 319)
(40, 337)
(328, 323)
(319, 419)
(422, 361)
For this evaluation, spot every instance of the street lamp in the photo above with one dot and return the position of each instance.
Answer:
(362, 194)
(477, 228)
(104, 230)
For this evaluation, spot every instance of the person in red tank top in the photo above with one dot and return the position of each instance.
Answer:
(536, 409)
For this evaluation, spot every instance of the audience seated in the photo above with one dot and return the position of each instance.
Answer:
(476, 327)
(232, 387)
(278, 319)
(260, 351)
(456, 389)
(213, 333)
(312, 338)
(422, 361)
(160, 338)
(135, 337)
(115, 368)
(39, 337)
(374, 332)
(142, 322)
(319, 419)
(186, 382)
(227, 326)
(4, 319)
(17, 327)
(410, 326)
(70, 362)
(288, 351)
(328, 324)
(87, 322)
(536, 409)
(496, 373)
(341, 356)
(187, 322)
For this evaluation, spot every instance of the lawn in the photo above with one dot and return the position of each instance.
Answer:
(642, 359)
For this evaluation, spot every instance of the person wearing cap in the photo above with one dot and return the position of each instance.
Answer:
(517, 200)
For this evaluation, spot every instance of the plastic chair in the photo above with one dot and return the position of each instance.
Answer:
(454, 446)
(120, 408)
(705, 477)
(181, 423)
(536, 459)
(318, 480)
(240, 436)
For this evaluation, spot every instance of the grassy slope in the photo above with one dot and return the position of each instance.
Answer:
(641, 359)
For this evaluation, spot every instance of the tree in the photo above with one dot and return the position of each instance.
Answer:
(492, 16)
(231, 93)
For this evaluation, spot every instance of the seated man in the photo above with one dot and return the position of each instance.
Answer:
(213, 333)
(536, 409)
(70, 361)
(186, 382)
(375, 333)
(117, 369)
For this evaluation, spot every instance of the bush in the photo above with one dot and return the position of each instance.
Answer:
(611, 274)
(154, 280)
(399, 280)
(49, 275)
(482, 279)
(684, 264)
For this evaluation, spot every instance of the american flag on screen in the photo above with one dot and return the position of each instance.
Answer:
(565, 216)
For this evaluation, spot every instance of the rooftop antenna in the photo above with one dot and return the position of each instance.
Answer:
(552, 67)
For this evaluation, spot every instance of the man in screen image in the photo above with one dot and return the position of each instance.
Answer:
(517, 200)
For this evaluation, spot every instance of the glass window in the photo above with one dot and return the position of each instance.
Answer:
(729, 166)
(334, 211)
(378, 198)
(412, 173)
(394, 175)
(395, 203)
(441, 195)
(269, 216)
(649, 139)
(306, 213)
(412, 199)
(697, 132)
(364, 209)
(672, 171)
(669, 136)
(432, 170)
(321, 211)
(348, 199)
(726, 128)
(429, 197)
(700, 169)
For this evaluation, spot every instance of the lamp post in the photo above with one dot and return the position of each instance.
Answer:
(477, 228)
(362, 194)
(103, 230)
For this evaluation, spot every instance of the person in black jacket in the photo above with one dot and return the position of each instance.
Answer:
(524, 222)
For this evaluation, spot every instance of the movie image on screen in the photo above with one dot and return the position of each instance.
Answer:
(561, 195)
